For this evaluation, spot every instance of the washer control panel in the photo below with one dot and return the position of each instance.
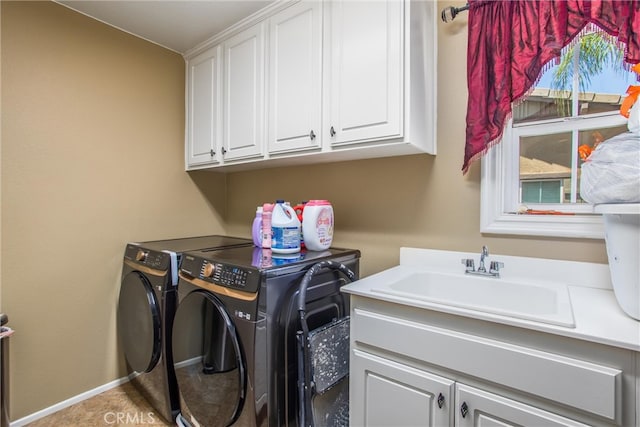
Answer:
(221, 274)
(149, 258)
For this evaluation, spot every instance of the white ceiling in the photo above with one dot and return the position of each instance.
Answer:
(175, 24)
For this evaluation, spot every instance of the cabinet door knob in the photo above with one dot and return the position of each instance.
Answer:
(332, 131)
(312, 135)
(213, 153)
(224, 151)
(464, 409)
(440, 400)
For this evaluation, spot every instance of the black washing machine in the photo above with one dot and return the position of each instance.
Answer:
(146, 307)
(234, 334)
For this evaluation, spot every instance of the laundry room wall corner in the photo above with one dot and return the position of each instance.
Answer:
(92, 158)
(213, 187)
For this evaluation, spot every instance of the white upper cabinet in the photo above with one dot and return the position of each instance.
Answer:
(203, 108)
(366, 78)
(340, 80)
(244, 85)
(295, 78)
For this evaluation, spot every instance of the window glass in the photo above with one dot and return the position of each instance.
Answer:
(556, 158)
(598, 86)
(544, 103)
(545, 159)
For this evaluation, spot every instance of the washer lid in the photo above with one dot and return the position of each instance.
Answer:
(618, 208)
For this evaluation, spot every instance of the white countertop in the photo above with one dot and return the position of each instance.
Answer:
(598, 317)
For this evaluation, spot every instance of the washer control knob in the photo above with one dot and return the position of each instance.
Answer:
(208, 269)
(141, 255)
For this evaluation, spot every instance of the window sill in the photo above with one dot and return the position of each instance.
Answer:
(572, 226)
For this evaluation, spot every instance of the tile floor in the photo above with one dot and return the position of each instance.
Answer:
(120, 406)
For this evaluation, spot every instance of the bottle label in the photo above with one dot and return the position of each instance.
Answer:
(324, 227)
(285, 238)
(266, 236)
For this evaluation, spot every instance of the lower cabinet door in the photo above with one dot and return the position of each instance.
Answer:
(475, 407)
(386, 393)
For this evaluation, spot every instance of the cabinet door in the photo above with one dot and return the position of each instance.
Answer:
(203, 108)
(386, 393)
(243, 111)
(366, 100)
(295, 77)
(479, 408)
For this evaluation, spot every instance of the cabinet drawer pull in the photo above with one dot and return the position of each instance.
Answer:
(312, 135)
(332, 131)
(440, 400)
(464, 409)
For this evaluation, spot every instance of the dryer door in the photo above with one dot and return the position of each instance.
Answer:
(139, 323)
(208, 361)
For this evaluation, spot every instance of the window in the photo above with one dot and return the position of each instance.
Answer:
(536, 167)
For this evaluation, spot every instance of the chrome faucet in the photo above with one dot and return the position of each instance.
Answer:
(494, 266)
(483, 255)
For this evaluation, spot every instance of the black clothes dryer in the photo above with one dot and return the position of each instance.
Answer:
(234, 334)
(146, 307)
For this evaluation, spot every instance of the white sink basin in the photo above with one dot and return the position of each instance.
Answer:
(544, 302)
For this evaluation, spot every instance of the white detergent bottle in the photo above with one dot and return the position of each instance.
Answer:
(285, 226)
(317, 225)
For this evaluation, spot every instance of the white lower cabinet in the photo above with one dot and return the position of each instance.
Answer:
(479, 408)
(389, 393)
(414, 367)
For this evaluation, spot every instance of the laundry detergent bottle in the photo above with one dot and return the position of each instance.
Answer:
(317, 225)
(285, 227)
(256, 228)
(267, 212)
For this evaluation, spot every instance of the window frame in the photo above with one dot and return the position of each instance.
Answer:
(500, 178)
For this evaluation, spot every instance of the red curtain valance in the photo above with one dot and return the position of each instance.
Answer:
(511, 41)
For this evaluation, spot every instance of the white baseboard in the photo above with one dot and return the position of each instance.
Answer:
(66, 403)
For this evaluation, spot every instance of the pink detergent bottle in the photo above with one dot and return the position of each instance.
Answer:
(267, 211)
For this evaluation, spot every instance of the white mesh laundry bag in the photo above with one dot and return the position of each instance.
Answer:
(611, 174)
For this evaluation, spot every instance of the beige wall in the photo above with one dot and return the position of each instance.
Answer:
(422, 201)
(92, 128)
(92, 157)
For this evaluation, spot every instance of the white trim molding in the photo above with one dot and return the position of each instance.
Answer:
(66, 403)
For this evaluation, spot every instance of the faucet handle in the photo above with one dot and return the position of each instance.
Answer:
(495, 266)
(469, 264)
